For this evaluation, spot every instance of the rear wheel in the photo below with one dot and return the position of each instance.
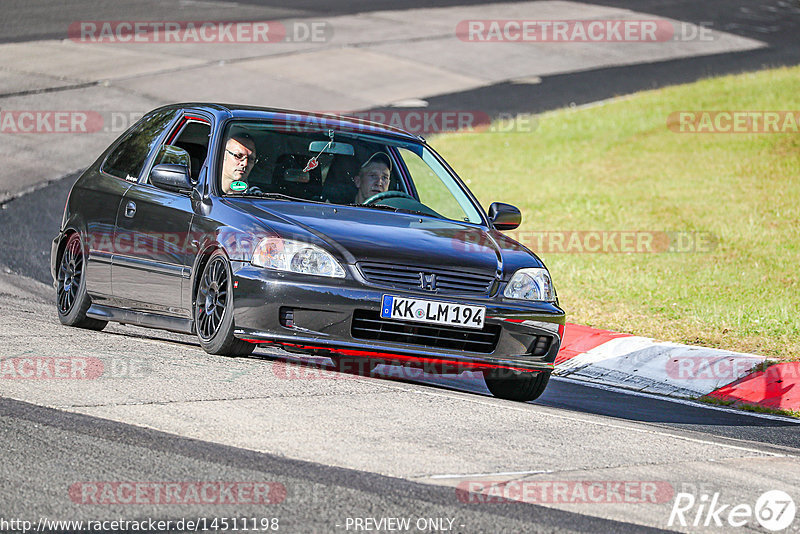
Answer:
(213, 309)
(516, 385)
(71, 298)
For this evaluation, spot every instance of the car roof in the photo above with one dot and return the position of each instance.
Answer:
(342, 122)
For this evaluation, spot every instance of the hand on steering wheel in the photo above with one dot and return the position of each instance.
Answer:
(383, 196)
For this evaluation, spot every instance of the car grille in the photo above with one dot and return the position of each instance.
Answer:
(443, 281)
(370, 325)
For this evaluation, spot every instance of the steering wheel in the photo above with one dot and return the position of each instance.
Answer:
(383, 196)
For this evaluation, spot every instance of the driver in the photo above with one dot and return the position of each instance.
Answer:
(373, 177)
(238, 161)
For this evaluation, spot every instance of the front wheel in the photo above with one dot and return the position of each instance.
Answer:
(213, 309)
(516, 385)
(72, 300)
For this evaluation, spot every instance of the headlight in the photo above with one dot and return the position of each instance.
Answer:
(531, 284)
(294, 256)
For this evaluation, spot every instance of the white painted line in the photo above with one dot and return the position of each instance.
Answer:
(499, 474)
(528, 80)
(410, 103)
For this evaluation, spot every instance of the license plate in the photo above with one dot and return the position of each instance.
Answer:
(429, 311)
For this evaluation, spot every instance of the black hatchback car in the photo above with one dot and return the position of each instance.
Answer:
(319, 234)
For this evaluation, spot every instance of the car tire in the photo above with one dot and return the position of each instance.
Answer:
(516, 385)
(72, 301)
(213, 309)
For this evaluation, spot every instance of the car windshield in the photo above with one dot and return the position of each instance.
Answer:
(339, 167)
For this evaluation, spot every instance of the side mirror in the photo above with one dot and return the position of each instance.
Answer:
(504, 216)
(172, 178)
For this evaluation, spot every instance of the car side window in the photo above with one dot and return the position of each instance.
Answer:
(426, 173)
(192, 140)
(127, 160)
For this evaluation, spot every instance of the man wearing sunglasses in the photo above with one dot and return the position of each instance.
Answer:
(238, 161)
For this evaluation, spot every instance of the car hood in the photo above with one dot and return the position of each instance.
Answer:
(360, 234)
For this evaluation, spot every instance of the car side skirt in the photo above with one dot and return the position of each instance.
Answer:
(139, 318)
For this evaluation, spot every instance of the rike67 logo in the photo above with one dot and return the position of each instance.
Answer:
(774, 510)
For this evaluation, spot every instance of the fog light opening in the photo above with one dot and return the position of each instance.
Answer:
(287, 317)
(540, 346)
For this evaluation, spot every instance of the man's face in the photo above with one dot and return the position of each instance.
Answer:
(373, 179)
(238, 162)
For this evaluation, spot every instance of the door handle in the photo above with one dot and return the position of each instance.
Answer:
(130, 209)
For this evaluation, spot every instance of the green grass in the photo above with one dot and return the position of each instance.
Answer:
(618, 167)
(713, 400)
(747, 407)
(763, 409)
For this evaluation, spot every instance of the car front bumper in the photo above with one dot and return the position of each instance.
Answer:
(323, 309)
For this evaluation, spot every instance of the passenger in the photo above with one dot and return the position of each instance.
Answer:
(373, 177)
(238, 161)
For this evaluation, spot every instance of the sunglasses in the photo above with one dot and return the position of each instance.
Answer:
(251, 158)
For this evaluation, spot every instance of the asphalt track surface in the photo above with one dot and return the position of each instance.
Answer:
(775, 22)
(316, 493)
(48, 449)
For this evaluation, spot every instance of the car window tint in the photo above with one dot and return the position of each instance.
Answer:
(127, 160)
